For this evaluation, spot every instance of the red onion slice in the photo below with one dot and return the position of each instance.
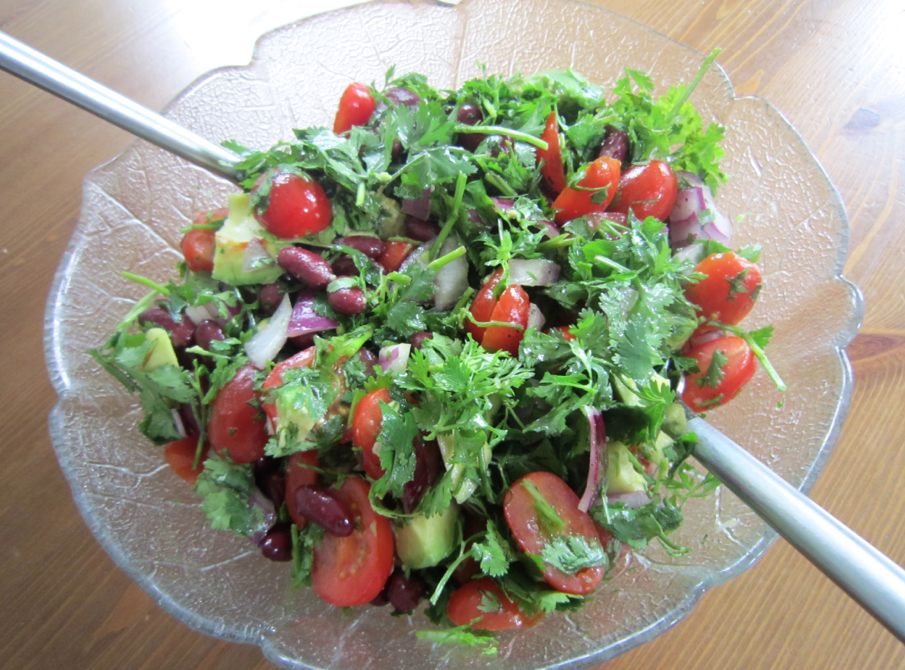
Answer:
(551, 230)
(686, 222)
(267, 342)
(597, 464)
(420, 208)
(394, 358)
(688, 201)
(535, 317)
(304, 320)
(451, 281)
(534, 272)
(633, 499)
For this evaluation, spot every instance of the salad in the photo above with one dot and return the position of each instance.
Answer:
(435, 353)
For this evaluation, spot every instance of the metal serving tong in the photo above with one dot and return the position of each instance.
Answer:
(872, 579)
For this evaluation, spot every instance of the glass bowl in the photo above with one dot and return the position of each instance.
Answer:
(149, 520)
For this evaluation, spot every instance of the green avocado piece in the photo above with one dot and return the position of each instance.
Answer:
(423, 541)
(161, 351)
(621, 476)
(231, 242)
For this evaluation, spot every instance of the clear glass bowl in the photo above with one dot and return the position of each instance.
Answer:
(148, 519)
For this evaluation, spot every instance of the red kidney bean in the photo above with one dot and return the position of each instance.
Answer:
(303, 341)
(404, 592)
(381, 599)
(347, 300)
(208, 331)
(277, 543)
(270, 296)
(418, 338)
(615, 144)
(306, 266)
(498, 144)
(368, 359)
(181, 332)
(344, 266)
(273, 485)
(470, 115)
(428, 466)
(371, 247)
(420, 231)
(322, 506)
(399, 96)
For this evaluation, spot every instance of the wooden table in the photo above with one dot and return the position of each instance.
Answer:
(830, 65)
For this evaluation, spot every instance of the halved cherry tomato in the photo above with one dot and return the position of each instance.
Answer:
(574, 202)
(469, 603)
(294, 206)
(649, 189)
(565, 331)
(355, 108)
(512, 307)
(483, 304)
(180, 456)
(236, 426)
(737, 371)
(297, 476)
(552, 168)
(366, 423)
(533, 528)
(353, 570)
(198, 249)
(730, 289)
(394, 252)
(302, 359)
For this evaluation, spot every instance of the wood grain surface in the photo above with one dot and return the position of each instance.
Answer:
(833, 67)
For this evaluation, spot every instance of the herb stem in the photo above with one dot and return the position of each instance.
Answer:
(694, 83)
(150, 283)
(757, 351)
(502, 130)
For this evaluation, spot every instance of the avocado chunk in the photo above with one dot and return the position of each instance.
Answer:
(161, 351)
(424, 541)
(231, 242)
(621, 476)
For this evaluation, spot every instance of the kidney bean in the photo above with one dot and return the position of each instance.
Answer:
(420, 231)
(369, 359)
(270, 296)
(498, 144)
(306, 266)
(347, 300)
(399, 96)
(381, 599)
(470, 115)
(404, 592)
(303, 341)
(428, 466)
(371, 247)
(208, 331)
(344, 266)
(322, 506)
(181, 332)
(277, 543)
(418, 338)
(273, 485)
(615, 144)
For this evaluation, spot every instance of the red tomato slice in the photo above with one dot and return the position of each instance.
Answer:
(198, 249)
(355, 108)
(468, 603)
(180, 456)
(295, 206)
(551, 157)
(512, 307)
(302, 359)
(236, 426)
(297, 476)
(565, 331)
(737, 371)
(353, 570)
(649, 189)
(394, 252)
(729, 291)
(573, 202)
(366, 423)
(483, 304)
(533, 533)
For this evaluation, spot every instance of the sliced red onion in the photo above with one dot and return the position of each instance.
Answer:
(304, 320)
(534, 272)
(688, 201)
(394, 358)
(686, 178)
(535, 317)
(267, 342)
(633, 499)
(256, 256)
(260, 500)
(686, 222)
(177, 421)
(503, 204)
(693, 252)
(551, 231)
(597, 464)
(420, 208)
(451, 281)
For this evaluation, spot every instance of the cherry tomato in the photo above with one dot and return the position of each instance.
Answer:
(297, 476)
(355, 108)
(483, 304)
(394, 252)
(468, 604)
(353, 570)
(366, 423)
(533, 529)
(198, 249)
(180, 456)
(730, 289)
(737, 371)
(512, 307)
(551, 157)
(236, 426)
(302, 359)
(295, 205)
(565, 331)
(649, 189)
(574, 202)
